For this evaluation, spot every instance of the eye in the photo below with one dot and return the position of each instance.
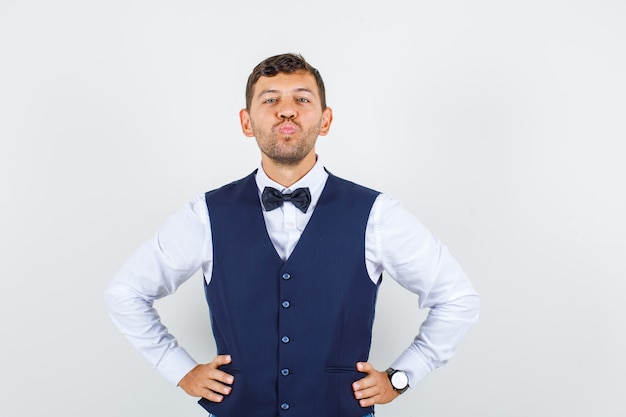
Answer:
(270, 100)
(303, 100)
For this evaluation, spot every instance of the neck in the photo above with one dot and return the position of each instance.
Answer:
(287, 175)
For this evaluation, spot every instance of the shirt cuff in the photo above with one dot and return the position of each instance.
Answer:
(176, 365)
(414, 366)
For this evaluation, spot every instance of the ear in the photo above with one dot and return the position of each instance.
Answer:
(246, 124)
(327, 119)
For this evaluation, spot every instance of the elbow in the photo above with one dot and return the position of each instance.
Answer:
(111, 297)
(471, 306)
(474, 306)
(117, 296)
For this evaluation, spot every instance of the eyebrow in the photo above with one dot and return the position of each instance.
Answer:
(296, 90)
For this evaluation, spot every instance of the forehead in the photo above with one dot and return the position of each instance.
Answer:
(285, 83)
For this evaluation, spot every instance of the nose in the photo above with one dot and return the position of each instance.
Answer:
(286, 111)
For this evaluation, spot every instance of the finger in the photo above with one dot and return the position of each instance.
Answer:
(369, 380)
(214, 373)
(364, 367)
(368, 402)
(217, 387)
(212, 396)
(364, 383)
(367, 392)
(221, 376)
(221, 360)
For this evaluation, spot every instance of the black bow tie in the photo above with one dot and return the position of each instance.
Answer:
(272, 198)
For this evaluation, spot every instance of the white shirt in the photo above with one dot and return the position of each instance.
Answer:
(395, 242)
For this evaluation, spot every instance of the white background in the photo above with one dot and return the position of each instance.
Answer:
(500, 124)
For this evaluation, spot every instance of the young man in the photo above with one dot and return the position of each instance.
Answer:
(292, 258)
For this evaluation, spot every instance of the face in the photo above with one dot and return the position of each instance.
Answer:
(286, 117)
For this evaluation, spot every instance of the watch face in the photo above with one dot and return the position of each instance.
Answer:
(399, 380)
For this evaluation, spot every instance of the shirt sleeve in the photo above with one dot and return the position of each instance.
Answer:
(398, 243)
(177, 251)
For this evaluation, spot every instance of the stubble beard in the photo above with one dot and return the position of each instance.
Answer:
(287, 150)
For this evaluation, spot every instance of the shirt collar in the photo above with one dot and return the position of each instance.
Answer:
(314, 180)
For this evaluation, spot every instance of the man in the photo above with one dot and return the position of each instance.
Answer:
(291, 307)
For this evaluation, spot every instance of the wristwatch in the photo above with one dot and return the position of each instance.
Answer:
(399, 380)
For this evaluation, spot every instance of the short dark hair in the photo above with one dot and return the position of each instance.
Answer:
(284, 63)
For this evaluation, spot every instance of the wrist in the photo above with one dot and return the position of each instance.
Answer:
(399, 380)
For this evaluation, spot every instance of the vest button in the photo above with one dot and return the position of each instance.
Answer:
(284, 406)
(286, 276)
(285, 339)
(285, 304)
(285, 372)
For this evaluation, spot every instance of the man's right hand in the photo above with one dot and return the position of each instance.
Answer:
(208, 380)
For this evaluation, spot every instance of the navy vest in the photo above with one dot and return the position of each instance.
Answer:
(296, 329)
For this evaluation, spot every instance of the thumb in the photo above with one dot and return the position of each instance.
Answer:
(221, 360)
(364, 367)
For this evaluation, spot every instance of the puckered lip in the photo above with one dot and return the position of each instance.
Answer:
(287, 128)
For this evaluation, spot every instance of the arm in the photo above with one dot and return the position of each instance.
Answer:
(422, 264)
(399, 244)
(155, 270)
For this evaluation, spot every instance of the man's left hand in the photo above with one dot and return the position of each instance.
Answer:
(375, 388)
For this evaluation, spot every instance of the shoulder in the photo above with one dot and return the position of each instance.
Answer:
(232, 185)
(244, 188)
(351, 186)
